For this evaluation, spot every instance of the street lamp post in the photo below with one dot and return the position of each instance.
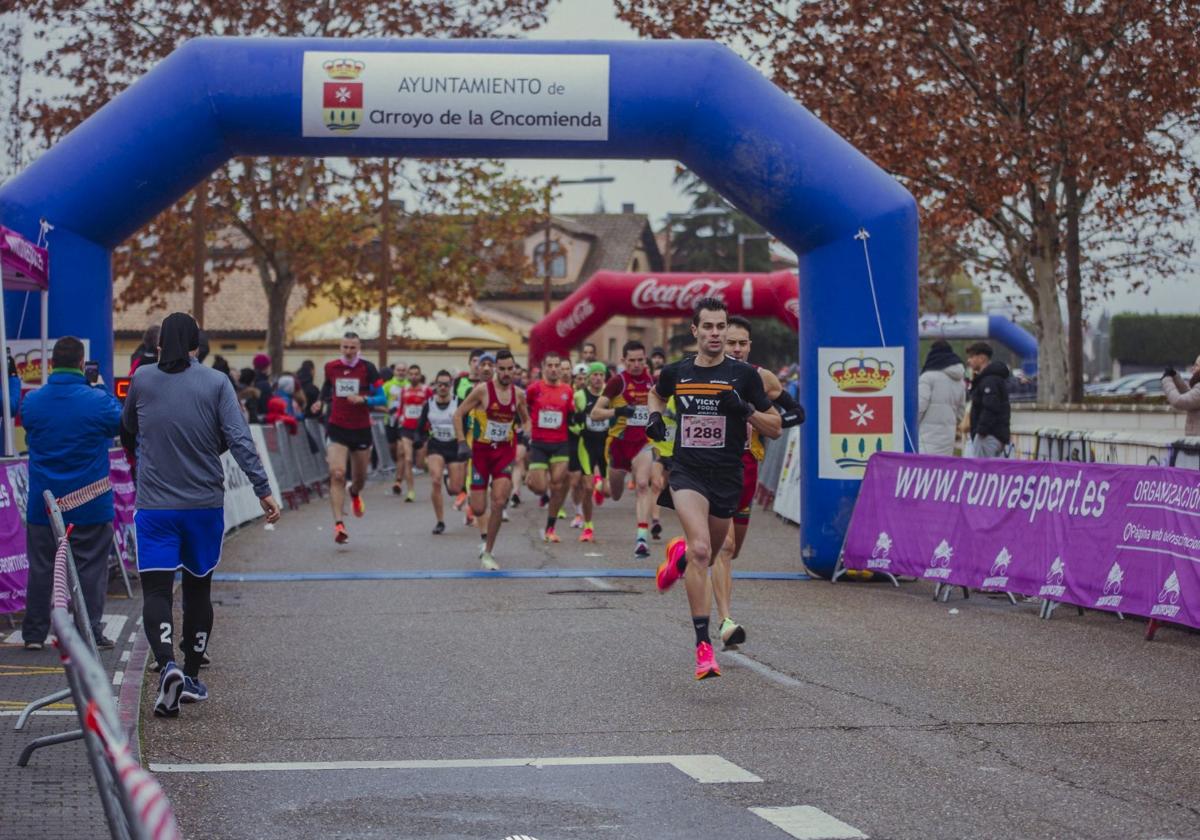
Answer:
(703, 212)
(546, 257)
(741, 247)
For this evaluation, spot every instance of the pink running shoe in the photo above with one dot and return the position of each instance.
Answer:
(597, 490)
(706, 662)
(671, 569)
(587, 536)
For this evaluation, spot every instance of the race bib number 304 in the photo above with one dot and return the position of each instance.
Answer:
(345, 387)
(702, 431)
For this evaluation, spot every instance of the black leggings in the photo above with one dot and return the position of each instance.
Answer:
(158, 618)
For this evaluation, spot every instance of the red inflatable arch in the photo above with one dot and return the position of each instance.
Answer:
(610, 293)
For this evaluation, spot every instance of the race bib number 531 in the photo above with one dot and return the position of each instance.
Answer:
(702, 431)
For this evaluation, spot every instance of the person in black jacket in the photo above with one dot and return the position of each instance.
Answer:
(990, 409)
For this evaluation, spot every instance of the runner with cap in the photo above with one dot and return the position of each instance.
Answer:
(349, 395)
(487, 417)
(588, 465)
(715, 397)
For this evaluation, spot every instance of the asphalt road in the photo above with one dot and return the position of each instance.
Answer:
(421, 708)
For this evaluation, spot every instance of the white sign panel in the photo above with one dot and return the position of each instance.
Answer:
(455, 95)
(953, 326)
(861, 395)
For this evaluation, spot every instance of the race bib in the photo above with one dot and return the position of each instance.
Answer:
(549, 419)
(702, 431)
(497, 432)
(641, 416)
(412, 412)
(345, 387)
(445, 434)
(596, 425)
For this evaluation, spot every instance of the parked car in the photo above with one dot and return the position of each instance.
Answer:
(1143, 384)
(1113, 385)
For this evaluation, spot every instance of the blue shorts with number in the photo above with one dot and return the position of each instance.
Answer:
(173, 539)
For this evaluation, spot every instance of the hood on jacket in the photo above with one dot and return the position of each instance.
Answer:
(941, 356)
(995, 369)
(956, 372)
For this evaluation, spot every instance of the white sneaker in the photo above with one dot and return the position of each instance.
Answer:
(504, 515)
(482, 547)
(488, 562)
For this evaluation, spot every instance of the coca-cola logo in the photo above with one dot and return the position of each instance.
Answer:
(578, 315)
(652, 294)
(792, 305)
(25, 251)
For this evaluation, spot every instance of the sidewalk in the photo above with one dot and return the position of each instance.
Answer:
(55, 795)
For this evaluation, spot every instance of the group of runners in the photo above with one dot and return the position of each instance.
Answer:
(687, 436)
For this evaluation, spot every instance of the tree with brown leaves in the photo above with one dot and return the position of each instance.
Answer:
(1045, 141)
(298, 226)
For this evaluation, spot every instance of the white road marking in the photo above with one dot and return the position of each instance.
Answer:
(706, 769)
(112, 625)
(600, 583)
(118, 677)
(763, 670)
(805, 822)
(125, 656)
(44, 712)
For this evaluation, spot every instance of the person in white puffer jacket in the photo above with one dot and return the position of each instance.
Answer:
(941, 399)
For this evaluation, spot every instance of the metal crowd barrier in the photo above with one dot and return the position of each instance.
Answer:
(73, 595)
(1146, 448)
(311, 453)
(134, 805)
(770, 469)
(285, 472)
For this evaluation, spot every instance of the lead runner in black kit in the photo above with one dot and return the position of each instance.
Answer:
(715, 396)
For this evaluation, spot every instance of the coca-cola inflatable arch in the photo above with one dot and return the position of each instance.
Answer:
(851, 225)
(610, 293)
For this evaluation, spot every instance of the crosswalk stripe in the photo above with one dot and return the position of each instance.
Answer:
(805, 822)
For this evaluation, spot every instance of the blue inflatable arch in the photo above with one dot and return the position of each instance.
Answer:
(694, 102)
(999, 328)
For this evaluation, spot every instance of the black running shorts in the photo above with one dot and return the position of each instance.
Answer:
(447, 449)
(722, 489)
(355, 440)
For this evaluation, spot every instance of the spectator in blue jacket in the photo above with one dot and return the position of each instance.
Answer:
(69, 427)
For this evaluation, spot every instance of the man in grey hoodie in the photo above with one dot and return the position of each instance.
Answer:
(941, 399)
(184, 415)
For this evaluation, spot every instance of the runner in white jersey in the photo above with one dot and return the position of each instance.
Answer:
(436, 425)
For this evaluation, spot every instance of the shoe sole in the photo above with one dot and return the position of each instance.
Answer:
(711, 672)
(737, 637)
(185, 697)
(167, 702)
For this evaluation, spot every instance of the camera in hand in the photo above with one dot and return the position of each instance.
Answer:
(91, 372)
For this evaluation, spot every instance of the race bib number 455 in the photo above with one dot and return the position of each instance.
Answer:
(345, 387)
(641, 416)
(702, 431)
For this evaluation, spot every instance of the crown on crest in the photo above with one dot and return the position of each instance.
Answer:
(343, 68)
(861, 374)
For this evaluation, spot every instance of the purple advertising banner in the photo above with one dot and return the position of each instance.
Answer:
(121, 478)
(14, 565)
(1102, 536)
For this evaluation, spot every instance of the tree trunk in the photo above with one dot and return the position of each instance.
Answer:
(278, 293)
(1074, 292)
(385, 262)
(1052, 356)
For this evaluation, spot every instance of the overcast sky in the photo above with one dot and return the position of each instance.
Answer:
(647, 184)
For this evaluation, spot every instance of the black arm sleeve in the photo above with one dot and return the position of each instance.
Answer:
(423, 420)
(791, 411)
(326, 391)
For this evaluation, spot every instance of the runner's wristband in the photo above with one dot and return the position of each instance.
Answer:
(791, 411)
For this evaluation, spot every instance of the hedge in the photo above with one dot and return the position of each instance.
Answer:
(1155, 339)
